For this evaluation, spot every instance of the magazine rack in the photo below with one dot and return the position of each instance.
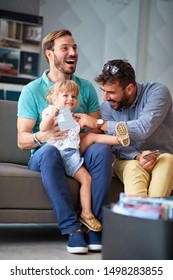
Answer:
(131, 238)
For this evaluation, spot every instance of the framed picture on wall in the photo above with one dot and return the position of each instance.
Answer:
(20, 43)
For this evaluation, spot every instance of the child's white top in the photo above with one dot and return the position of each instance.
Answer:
(72, 140)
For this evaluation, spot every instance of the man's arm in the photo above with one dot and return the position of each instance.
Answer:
(26, 137)
(89, 120)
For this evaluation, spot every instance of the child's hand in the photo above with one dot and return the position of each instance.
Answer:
(54, 112)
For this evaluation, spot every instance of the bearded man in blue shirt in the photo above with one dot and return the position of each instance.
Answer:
(146, 109)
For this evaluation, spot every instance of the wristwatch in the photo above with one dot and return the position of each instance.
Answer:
(100, 122)
(36, 141)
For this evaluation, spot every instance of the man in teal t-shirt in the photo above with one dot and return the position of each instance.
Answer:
(32, 100)
(60, 51)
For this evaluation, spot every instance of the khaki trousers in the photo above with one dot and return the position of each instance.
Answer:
(138, 181)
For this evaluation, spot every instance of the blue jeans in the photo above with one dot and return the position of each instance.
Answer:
(48, 161)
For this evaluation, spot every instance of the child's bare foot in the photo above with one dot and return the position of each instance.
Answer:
(91, 222)
(122, 133)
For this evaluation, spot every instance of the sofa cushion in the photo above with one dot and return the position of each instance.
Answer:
(9, 152)
(21, 188)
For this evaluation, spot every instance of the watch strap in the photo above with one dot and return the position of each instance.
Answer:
(36, 141)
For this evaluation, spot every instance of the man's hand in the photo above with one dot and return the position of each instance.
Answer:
(54, 133)
(85, 120)
(149, 162)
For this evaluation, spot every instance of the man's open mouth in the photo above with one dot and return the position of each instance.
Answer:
(70, 62)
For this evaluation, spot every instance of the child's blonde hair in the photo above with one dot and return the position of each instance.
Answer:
(62, 86)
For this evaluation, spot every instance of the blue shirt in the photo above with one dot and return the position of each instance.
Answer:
(149, 120)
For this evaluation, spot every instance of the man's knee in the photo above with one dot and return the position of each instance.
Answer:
(100, 152)
(126, 164)
(166, 158)
(50, 154)
(99, 148)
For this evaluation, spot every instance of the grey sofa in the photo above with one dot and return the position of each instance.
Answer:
(22, 195)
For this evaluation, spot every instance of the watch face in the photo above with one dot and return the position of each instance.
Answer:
(100, 122)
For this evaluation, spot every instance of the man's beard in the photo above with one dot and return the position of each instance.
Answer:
(124, 103)
(61, 69)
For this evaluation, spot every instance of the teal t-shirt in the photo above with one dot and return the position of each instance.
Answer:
(32, 99)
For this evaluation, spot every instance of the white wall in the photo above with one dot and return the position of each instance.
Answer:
(102, 29)
(159, 43)
(137, 30)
